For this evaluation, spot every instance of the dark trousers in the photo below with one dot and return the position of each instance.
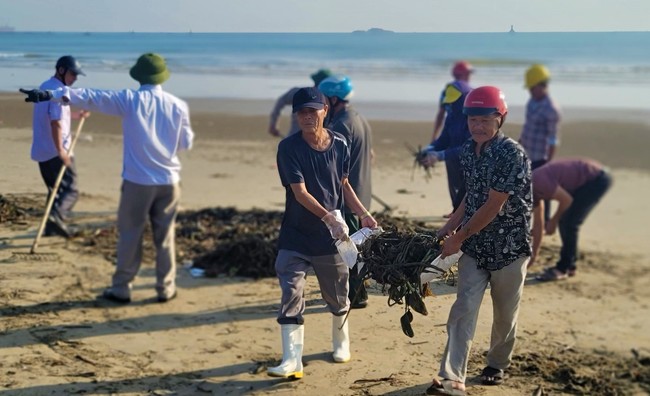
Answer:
(68, 193)
(584, 200)
(357, 292)
(455, 181)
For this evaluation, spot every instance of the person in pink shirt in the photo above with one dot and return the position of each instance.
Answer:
(577, 184)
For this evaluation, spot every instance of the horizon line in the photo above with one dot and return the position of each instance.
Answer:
(368, 31)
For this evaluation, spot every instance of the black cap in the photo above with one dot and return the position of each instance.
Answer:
(68, 62)
(309, 97)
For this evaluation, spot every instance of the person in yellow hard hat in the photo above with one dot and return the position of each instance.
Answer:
(540, 133)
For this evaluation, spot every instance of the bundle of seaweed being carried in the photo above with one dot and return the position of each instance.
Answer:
(396, 260)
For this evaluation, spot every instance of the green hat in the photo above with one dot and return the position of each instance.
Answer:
(320, 75)
(150, 69)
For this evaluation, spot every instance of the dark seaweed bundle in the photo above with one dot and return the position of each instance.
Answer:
(395, 260)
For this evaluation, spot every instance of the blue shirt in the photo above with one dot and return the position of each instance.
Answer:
(504, 167)
(455, 131)
(540, 130)
(321, 172)
(43, 147)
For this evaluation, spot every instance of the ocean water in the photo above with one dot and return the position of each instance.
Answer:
(591, 70)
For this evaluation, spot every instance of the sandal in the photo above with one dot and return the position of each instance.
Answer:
(492, 376)
(551, 274)
(445, 388)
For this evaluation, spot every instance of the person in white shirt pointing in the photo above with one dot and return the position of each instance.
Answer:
(156, 127)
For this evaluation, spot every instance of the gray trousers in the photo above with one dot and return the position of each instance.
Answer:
(139, 203)
(332, 274)
(506, 287)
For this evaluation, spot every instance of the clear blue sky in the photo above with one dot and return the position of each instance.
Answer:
(325, 15)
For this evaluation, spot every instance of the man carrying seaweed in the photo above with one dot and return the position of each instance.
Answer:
(492, 226)
(314, 165)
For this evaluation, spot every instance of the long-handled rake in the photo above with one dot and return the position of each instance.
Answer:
(32, 255)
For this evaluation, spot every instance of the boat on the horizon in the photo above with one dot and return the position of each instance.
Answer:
(512, 29)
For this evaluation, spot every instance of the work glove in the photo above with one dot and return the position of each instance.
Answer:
(428, 156)
(336, 225)
(36, 95)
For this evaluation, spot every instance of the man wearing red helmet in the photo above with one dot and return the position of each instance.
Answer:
(492, 227)
(446, 144)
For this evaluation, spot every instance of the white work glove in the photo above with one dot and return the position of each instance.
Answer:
(336, 225)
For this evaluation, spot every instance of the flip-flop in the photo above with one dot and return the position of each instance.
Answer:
(445, 388)
(492, 376)
(551, 274)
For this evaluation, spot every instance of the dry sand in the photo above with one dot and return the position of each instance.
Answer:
(217, 335)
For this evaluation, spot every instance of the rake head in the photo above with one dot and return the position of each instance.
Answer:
(22, 256)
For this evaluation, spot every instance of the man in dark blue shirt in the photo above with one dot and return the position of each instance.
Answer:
(314, 165)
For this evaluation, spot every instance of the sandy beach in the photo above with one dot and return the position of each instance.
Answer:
(585, 335)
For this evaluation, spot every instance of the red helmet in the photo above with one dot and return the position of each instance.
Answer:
(485, 100)
(461, 68)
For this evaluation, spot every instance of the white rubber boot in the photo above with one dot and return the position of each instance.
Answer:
(340, 339)
(293, 337)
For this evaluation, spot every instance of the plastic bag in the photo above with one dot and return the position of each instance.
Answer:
(361, 235)
(443, 264)
(348, 251)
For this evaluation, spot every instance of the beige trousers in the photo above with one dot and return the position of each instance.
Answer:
(139, 203)
(506, 287)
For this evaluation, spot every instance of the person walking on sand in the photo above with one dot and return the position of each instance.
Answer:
(578, 184)
(51, 144)
(156, 127)
(446, 145)
(286, 99)
(540, 132)
(346, 120)
(314, 166)
(492, 228)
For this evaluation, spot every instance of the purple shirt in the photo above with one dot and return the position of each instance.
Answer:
(570, 174)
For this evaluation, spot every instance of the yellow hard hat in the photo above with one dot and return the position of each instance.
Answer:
(536, 74)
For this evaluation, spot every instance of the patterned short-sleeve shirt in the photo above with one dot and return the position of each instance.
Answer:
(504, 167)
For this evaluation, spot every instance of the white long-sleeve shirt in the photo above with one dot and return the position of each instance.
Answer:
(155, 126)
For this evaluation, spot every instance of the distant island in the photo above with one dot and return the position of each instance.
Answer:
(7, 29)
(374, 31)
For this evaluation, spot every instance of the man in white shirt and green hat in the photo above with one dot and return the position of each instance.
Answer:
(156, 127)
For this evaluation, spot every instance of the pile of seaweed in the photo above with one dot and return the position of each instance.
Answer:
(230, 242)
(575, 371)
(221, 241)
(17, 208)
